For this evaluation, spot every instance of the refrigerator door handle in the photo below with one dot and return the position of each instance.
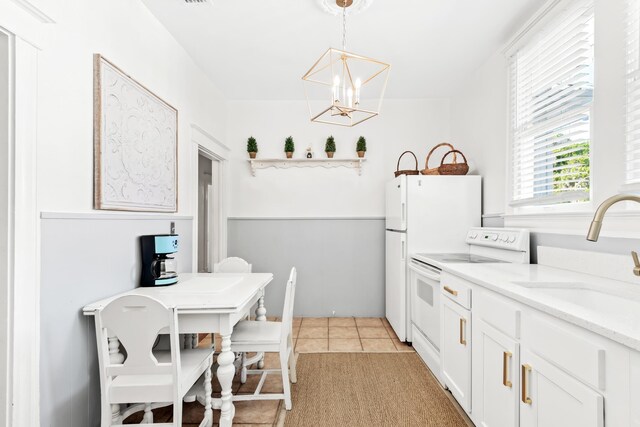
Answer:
(403, 213)
(402, 255)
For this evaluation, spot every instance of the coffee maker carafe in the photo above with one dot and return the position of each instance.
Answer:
(158, 267)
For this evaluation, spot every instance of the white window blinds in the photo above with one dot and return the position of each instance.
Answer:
(551, 96)
(632, 48)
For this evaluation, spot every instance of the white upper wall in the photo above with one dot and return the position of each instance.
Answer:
(125, 32)
(415, 125)
(479, 122)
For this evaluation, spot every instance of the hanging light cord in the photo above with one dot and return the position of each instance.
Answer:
(344, 25)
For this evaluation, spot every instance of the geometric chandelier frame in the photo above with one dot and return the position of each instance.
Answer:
(346, 77)
(344, 88)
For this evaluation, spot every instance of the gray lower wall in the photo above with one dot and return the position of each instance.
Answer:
(340, 262)
(85, 259)
(612, 245)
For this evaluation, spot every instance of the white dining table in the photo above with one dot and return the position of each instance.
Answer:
(205, 303)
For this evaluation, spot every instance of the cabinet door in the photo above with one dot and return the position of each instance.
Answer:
(456, 351)
(495, 377)
(550, 397)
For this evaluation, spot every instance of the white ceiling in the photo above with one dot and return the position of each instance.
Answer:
(259, 49)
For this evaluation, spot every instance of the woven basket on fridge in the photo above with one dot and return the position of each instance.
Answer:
(399, 172)
(454, 168)
(435, 171)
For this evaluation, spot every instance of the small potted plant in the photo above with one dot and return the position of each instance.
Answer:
(289, 147)
(252, 147)
(361, 146)
(330, 147)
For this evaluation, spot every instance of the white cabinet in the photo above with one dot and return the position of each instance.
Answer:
(495, 377)
(550, 397)
(456, 351)
(529, 368)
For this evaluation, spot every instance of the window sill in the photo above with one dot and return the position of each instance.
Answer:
(620, 223)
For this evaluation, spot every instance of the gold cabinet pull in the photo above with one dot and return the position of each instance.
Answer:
(506, 355)
(451, 291)
(525, 399)
(463, 322)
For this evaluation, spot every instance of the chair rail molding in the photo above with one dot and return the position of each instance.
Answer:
(27, 27)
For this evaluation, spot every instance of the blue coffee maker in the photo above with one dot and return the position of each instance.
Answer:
(158, 267)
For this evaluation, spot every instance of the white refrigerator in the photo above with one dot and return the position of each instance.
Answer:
(428, 214)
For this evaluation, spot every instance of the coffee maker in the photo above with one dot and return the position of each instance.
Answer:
(158, 267)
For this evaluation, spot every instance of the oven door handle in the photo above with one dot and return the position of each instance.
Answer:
(425, 271)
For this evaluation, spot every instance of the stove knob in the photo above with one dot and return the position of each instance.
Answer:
(494, 237)
(512, 239)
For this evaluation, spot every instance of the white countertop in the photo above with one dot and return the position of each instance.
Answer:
(615, 319)
(214, 291)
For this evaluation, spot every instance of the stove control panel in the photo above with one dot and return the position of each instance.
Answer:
(516, 239)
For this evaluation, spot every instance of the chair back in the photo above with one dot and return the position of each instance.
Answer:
(136, 321)
(287, 310)
(232, 265)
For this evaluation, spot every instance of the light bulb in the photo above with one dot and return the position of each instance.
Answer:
(358, 86)
(350, 97)
(336, 89)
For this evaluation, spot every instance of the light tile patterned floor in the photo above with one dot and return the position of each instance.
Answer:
(310, 335)
(352, 334)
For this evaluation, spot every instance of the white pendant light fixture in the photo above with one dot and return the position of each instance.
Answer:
(343, 88)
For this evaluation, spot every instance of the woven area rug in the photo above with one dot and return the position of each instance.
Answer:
(368, 389)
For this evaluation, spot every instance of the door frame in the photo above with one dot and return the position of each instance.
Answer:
(27, 27)
(210, 147)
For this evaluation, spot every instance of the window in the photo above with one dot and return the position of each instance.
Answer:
(632, 47)
(551, 78)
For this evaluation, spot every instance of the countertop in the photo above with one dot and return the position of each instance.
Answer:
(618, 320)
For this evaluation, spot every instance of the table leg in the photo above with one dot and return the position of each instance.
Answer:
(261, 316)
(115, 357)
(225, 373)
(194, 340)
(208, 411)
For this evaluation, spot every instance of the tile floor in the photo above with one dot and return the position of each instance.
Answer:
(351, 334)
(310, 335)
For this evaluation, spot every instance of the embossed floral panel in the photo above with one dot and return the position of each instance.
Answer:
(135, 144)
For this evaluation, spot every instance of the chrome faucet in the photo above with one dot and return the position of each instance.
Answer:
(596, 223)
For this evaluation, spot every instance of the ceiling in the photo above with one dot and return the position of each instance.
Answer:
(259, 49)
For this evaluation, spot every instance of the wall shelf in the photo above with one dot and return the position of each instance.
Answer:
(355, 163)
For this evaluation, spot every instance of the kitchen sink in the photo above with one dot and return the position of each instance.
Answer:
(593, 300)
(587, 296)
(562, 285)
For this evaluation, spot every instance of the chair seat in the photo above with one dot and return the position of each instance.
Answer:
(256, 332)
(159, 388)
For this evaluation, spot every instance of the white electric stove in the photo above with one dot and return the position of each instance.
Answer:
(485, 245)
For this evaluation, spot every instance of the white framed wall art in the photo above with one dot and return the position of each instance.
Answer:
(135, 144)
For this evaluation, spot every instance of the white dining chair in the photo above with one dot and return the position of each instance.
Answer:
(148, 379)
(232, 265)
(256, 336)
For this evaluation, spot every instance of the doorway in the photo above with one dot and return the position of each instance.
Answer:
(208, 204)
